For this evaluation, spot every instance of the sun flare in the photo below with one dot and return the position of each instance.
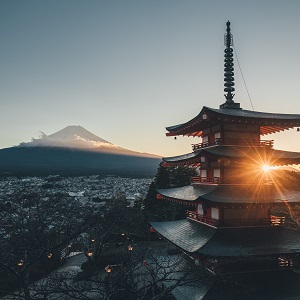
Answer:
(268, 168)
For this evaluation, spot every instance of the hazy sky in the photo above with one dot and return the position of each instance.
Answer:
(126, 69)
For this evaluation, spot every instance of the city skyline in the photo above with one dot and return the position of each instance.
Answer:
(125, 70)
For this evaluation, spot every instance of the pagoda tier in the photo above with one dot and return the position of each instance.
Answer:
(260, 122)
(229, 242)
(274, 157)
(221, 248)
(193, 158)
(232, 205)
(225, 195)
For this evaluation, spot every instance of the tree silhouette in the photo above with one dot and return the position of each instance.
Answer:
(167, 177)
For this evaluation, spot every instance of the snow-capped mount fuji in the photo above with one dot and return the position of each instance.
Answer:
(74, 136)
(75, 151)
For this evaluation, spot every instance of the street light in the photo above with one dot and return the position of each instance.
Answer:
(108, 269)
(93, 241)
(90, 253)
(130, 248)
(49, 255)
(20, 263)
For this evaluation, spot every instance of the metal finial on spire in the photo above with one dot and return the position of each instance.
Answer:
(229, 70)
(229, 80)
(228, 36)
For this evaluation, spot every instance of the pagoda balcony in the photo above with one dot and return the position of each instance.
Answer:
(197, 180)
(207, 220)
(277, 221)
(273, 221)
(211, 180)
(234, 142)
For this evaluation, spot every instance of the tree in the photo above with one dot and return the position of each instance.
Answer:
(181, 176)
(146, 274)
(167, 177)
(117, 224)
(35, 236)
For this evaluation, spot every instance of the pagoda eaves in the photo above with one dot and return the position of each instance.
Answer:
(275, 157)
(268, 122)
(235, 194)
(240, 242)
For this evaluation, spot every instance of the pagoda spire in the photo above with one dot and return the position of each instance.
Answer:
(229, 71)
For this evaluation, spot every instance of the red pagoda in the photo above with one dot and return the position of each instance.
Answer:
(230, 226)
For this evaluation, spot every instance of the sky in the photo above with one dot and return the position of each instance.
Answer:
(126, 69)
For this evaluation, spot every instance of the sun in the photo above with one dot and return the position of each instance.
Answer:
(267, 168)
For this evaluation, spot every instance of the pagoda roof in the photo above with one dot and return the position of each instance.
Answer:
(185, 234)
(286, 156)
(276, 157)
(231, 194)
(183, 157)
(253, 241)
(229, 242)
(187, 193)
(268, 122)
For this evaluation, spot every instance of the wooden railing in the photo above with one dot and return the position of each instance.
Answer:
(273, 221)
(207, 220)
(229, 180)
(228, 142)
(206, 144)
(277, 221)
(198, 179)
(284, 262)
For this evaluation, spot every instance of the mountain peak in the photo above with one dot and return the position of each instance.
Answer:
(74, 136)
(76, 132)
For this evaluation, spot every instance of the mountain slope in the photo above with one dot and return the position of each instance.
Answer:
(55, 160)
(75, 151)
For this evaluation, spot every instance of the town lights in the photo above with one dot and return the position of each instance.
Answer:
(93, 240)
(49, 255)
(130, 248)
(90, 253)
